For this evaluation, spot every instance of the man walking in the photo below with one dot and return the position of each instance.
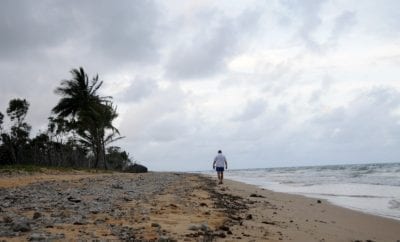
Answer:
(218, 165)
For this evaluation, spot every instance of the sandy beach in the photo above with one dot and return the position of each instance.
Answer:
(171, 207)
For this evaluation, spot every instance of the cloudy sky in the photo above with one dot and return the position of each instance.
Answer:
(271, 83)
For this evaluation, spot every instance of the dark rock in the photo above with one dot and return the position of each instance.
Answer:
(267, 222)
(21, 226)
(224, 228)
(256, 195)
(99, 221)
(319, 201)
(94, 210)
(72, 199)
(117, 186)
(220, 234)
(7, 219)
(36, 215)
(236, 218)
(79, 222)
(249, 217)
(136, 168)
(203, 205)
(155, 225)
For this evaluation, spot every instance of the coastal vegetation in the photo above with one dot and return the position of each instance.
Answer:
(79, 134)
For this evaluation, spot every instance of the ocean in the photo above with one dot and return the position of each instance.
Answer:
(370, 188)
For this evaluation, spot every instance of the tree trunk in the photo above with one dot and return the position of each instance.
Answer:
(11, 148)
(103, 152)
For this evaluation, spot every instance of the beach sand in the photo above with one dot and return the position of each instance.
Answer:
(172, 207)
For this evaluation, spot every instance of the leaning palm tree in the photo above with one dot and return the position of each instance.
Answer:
(90, 114)
(79, 95)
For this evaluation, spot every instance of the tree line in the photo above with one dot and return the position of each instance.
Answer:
(79, 133)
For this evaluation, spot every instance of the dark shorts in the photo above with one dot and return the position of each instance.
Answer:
(220, 169)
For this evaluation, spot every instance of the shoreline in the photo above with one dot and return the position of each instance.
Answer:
(322, 199)
(168, 206)
(310, 219)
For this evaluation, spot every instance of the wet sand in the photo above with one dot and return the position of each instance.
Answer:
(171, 207)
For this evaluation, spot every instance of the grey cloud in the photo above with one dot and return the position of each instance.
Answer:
(362, 131)
(206, 52)
(140, 88)
(121, 32)
(33, 82)
(307, 11)
(41, 41)
(126, 31)
(366, 129)
(343, 23)
(167, 129)
(28, 26)
(145, 121)
(252, 110)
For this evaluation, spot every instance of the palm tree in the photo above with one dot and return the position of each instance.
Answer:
(79, 95)
(89, 114)
(97, 131)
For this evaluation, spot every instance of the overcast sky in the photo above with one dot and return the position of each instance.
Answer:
(271, 83)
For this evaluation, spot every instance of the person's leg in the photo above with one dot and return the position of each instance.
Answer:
(222, 176)
(219, 175)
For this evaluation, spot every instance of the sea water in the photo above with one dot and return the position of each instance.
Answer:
(370, 188)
